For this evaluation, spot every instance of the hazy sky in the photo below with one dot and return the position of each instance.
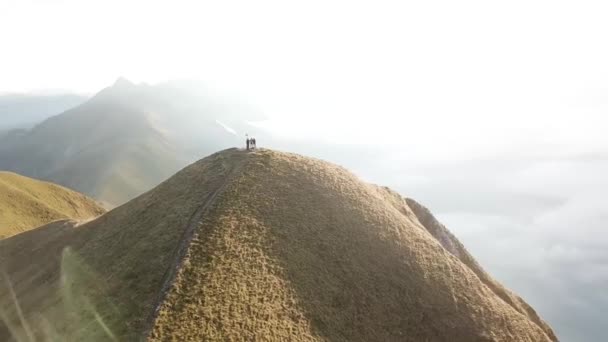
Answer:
(508, 73)
(493, 113)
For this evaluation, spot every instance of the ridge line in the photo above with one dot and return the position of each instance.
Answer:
(184, 242)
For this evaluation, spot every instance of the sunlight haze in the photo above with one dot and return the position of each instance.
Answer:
(494, 114)
(520, 72)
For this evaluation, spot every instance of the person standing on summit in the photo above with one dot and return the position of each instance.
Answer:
(247, 136)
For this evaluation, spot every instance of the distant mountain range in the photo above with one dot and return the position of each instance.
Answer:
(126, 139)
(24, 110)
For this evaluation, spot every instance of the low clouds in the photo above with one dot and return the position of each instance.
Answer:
(492, 114)
(538, 226)
(537, 222)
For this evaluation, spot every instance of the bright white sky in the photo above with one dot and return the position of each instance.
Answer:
(516, 75)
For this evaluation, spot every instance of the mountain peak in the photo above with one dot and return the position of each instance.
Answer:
(261, 245)
(123, 82)
(117, 90)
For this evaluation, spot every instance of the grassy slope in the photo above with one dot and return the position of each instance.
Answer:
(113, 267)
(299, 249)
(284, 248)
(27, 203)
(104, 148)
(426, 219)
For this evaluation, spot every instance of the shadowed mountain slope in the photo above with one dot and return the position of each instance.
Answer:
(27, 203)
(256, 246)
(123, 141)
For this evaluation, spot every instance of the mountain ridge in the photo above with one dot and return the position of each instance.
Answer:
(290, 248)
(373, 335)
(125, 139)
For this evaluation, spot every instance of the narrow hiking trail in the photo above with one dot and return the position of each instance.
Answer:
(233, 168)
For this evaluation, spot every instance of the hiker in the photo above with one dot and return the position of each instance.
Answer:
(248, 141)
(254, 144)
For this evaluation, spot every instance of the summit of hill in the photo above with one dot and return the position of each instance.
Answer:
(260, 245)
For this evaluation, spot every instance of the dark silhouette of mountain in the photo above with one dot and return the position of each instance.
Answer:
(257, 245)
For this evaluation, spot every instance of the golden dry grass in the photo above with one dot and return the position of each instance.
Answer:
(101, 280)
(26, 203)
(256, 246)
(298, 249)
